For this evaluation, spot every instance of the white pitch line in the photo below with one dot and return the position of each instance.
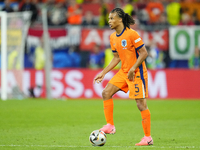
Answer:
(170, 147)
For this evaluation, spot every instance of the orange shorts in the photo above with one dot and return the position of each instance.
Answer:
(137, 89)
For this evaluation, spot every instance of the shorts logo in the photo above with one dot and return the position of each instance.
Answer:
(124, 43)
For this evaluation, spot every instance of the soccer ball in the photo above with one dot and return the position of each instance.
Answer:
(97, 138)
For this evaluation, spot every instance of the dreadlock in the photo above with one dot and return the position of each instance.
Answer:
(126, 18)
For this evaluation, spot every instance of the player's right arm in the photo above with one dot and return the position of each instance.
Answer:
(111, 65)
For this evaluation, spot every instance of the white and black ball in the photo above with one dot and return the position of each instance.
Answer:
(97, 138)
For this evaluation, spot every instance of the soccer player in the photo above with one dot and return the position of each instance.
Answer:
(127, 47)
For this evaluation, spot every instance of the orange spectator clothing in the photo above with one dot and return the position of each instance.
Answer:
(127, 45)
(57, 1)
(197, 9)
(73, 17)
(154, 9)
(191, 8)
(187, 7)
(12, 1)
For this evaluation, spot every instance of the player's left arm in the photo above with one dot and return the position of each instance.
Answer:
(143, 54)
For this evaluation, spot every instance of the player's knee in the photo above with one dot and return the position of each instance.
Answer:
(106, 94)
(141, 105)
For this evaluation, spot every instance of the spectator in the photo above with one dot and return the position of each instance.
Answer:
(162, 22)
(84, 59)
(192, 9)
(117, 3)
(194, 61)
(79, 1)
(186, 20)
(13, 58)
(154, 9)
(29, 6)
(173, 12)
(69, 57)
(128, 7)
(196, 12)
(55, 13)
(96, 57)
(108, 57)
(103, 19)
(142, 13)
(74, 15)
(7, 7)
(155, 58)
(66, 5)
(187, 7)
(39, 56)
(195, 18)
(74, 54)
(89, 19)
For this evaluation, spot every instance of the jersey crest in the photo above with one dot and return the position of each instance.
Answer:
(124, 43)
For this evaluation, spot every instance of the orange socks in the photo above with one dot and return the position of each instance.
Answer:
(146, 116)
(146, 122)
(108, 110)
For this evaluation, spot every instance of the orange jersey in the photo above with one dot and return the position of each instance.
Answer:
(127, 44)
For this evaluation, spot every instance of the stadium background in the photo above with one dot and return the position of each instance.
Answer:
(79, 52)
(79, 40)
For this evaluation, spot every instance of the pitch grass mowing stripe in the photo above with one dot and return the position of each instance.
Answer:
(65, 146)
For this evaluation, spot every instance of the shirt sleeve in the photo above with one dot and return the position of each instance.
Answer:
(111, 45)
(137, 41)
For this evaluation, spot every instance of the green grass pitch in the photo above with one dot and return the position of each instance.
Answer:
(57, 124)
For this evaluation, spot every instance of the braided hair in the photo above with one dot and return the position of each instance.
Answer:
(126, 18)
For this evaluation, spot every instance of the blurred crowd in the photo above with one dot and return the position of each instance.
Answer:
(150, 15)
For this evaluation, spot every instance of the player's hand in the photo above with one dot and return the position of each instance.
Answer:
(131, 74)
(99, 78)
